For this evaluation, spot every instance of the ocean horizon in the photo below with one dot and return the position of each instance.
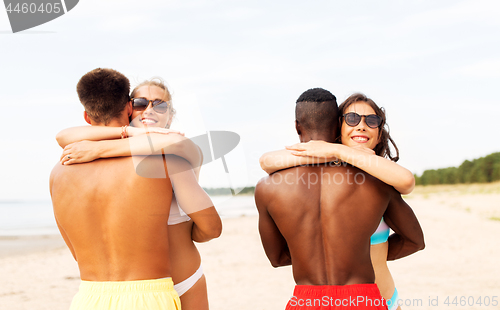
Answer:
(36, 218)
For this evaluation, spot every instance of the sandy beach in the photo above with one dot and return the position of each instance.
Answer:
(461, 226)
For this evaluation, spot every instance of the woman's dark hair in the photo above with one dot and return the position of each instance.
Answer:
(382, 148)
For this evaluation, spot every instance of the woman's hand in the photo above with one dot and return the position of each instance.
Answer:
(80, 152)
(136, 131)
(319, 149)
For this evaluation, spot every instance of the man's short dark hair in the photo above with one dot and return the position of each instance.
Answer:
(316, 110)
(104, 94)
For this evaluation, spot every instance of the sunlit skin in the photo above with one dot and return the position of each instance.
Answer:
(363, 138)
(184, 254)
(150, 117)
(205, 223)
(361, 134)
(282, 208)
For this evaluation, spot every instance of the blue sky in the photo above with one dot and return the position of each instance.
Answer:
(240, 65)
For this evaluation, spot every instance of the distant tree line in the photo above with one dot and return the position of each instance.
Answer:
(482, 170)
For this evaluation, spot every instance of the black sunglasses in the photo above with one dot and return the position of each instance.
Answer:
(352, 119)
(159, 106)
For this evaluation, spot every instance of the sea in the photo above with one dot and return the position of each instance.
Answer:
(36, 218)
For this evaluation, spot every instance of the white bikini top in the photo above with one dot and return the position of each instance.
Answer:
(177, 215)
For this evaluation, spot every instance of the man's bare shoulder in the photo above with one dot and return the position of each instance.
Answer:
(273, 181)
(267, 187)
(53, 174)
(354, 175)
(263, 186)
(379, 185)
(57, 167)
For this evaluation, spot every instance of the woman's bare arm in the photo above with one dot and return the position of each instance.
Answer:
(174, 144)
(99, 133)
(384, 169)
(273, 161)
(147, 144)
(93, 133)
(193, 200)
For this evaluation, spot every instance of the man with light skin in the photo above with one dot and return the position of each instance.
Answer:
(320, 218)
(114, 221)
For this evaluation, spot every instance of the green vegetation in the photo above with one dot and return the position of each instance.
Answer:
(482, 170)
(457, 189)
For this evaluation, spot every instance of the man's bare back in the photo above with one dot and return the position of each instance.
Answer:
(321, 219)
(113, 220)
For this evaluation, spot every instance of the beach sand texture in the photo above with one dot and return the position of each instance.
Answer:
(461, 259)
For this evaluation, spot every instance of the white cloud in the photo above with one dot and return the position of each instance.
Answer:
(248, 61)
(477, 11)
(238, 14)
(291, 30)
(489, 68)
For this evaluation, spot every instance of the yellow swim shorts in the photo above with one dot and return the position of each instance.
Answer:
(156, 294)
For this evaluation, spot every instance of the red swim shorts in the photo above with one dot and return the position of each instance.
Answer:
(345, 297)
